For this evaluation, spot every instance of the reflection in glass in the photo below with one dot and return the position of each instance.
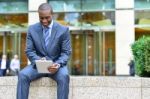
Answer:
(86, 19)
(82, 5)
(65, 5)
(109, 53)
(95, 5)
(142, 17)
(93, 53)
(77, 53)
(14, 43)
(13, 6)
(142, 4)
(71, 19)
(98, 18)
(13, 20)
(90, 50)
(6, 43)
(142, 21)
(1, 44)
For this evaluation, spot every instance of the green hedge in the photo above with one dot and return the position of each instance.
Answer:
(141, 53)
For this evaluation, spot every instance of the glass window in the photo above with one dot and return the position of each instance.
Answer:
(142, 17)
(142, 4)
(95, 5)
(98, 18)
(65, 5)
(86, 18)
(82, 5)
(13, 6)
(142, 21)
(71, 19)
(13, 21)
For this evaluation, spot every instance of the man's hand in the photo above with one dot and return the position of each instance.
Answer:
(53, 69)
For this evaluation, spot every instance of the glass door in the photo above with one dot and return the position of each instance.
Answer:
(18, 41)
(78, 55)
(107, 52)
(5, 44)
(1, 43)
(84, 59)
(93, 53)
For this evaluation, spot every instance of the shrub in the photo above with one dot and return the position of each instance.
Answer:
(141, 53)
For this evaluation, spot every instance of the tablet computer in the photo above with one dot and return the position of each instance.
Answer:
(42, 65)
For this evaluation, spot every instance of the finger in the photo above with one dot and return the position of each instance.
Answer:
(54, 67)
(52, 71)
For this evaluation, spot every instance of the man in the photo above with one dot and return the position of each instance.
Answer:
(132, 68)
(4, 65)
(14, 65)
(56, 47)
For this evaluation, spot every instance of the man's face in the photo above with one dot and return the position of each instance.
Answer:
(45, 17)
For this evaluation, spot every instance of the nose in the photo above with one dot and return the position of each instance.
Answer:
(44, 20)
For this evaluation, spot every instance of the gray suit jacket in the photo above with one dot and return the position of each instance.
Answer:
(59, 46)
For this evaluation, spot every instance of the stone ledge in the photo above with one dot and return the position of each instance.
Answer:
(85, 87)
(96, 81)
(146, 82)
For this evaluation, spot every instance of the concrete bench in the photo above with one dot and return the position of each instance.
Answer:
(82, 87)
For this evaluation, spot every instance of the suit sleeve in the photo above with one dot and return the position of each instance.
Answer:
(30, 49)
(65, 48)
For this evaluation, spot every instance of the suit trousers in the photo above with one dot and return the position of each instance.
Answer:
(29, 74)
(2, 72)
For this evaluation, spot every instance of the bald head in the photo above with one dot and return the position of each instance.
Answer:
(45, 6)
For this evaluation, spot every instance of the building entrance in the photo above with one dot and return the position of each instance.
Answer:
(13, 43)
(93, 52)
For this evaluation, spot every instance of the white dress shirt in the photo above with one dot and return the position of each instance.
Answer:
(3, 64)
(15, 64)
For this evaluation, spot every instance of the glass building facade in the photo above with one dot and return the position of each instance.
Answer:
(92, 34)
(13, 28)
(142, 18)
(92, 27)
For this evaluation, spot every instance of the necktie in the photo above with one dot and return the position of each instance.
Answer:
(46, 35)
